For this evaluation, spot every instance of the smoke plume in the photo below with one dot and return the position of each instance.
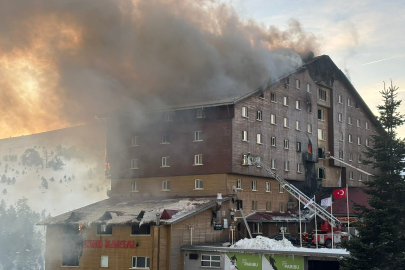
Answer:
(62, 62)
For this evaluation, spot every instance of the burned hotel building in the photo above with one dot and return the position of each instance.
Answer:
(167, 170)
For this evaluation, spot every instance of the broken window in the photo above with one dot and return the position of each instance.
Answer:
(244, 112)
(322, 95)
(321, 115)
(199, 184)
(287, 81)
(165, 139)
(134, 163)
(198, 136)
(340, 154)
(290, 205)
(309, 107)
(104, 229)
(359, 158)
(259, 116)
(140, 230)
(140, 262)
(261, 96)
(321, 152)
(321, 173)
(72, 245)
(165, 162)
(198, 159)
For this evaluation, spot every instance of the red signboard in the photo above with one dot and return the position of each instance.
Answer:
(108, 244)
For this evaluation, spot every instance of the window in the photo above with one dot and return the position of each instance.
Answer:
(349, 120)
(356, 104)
(282, 207)
(321, 173)
(259, 138)
(140, 230)
(367, 125)
(350, 138)
(245, 160)
(367, 143)
(297, 84)
(199, 184)
(268, 187)
(104, 261)
(350, 157)
(198, 136)
(290, 205)
(340, 100)
(308, 88)
(257, 227)
(165, 139)
(309, 107)
(280, 188)
(360, 177)
(286, 122)
(321, 134)
(104, 229)
(340, 154)
(299, 167)
(254, 185)
(135, 141)
(198, 159)
(244, 135)
(273, 141)
(298, 104)
(286, 166)
(297, 125)
(211, 260)
(340, 136)
(244, 112)
(259, 116)
(322, 95)
(134, 163)
(200, 113)
(285, 101)
(349, 102)
(359, 158)
(286, 144)
(134, 187)
(261, 96)
(273, 164)
(358, 140)
(340, 117)
(309, 128)
(166, 185)
(321, 152)
(165, 162)
(268, 206)
(254, 205)
(272, 119)
(287, 80)
(140, 262)
(351, 175)
(273, 97)
(239, 183)
(298, 146)
(358, 122)
(168, 117)
(321, 115)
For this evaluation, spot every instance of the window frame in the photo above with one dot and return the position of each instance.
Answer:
(319, 173)
(321, 134)
(274, 164)
(239, 183)
(340, 117)
(298, 105)
(298, 125)
(141, 232)
(210, 261)
(168, 117)
(273, 97)
(286, 122)
(350, 138)
(273, 141)
(287, 166)
(309, 88)
(147, 262)
(257, 228)
(358, 123)
(299, 146)
(135, 141)
(259, 138)
(165, 162)
(166, 185)
(254, 185)
(165, 139)
(285, 101)
(322, 115)
(298, 84)
(197, 183)
(350, 156)
(286, 144)
(245, 112)
(134, 164)
(198, 160)
(358, 140)
(268, 186)
(340, 99)
(245, 136)
(349, 120)
(309, 128)
(198, 136)
(323, 95)
(349, 102)
(299, 167)
(259, 115)
(101, 261)
(200, 114)
(273, 120)
(135, 186)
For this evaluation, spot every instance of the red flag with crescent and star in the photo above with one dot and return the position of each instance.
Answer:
(339, 193)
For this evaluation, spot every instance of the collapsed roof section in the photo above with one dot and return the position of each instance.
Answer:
(290, 216)
(121, 211)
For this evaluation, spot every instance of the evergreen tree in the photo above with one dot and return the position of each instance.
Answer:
(380, 243)
(56, 163)
(31, 157)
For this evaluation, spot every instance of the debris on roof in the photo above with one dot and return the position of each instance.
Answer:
(291, 216)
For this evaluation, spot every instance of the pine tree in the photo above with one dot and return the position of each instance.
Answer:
(381, 240)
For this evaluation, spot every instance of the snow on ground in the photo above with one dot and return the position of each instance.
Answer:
(265, 243)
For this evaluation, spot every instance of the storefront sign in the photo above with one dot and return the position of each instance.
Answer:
(245, 261)
(282, 262)
(108, 244)
(242, 261)
(218, 227)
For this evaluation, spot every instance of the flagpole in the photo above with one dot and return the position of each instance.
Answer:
(299, 211)
(316, 226)
(348, 217)
(331, 212)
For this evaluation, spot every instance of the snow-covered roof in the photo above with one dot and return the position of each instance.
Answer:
(291, 216)
(128, 210)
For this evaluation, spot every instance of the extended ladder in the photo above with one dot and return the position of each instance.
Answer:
(246, 224)
(320, 211)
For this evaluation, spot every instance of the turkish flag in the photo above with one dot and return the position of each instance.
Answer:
(339, 193)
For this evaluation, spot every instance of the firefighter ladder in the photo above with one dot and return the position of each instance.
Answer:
(320, 211)
(328, 155)
(246, 224)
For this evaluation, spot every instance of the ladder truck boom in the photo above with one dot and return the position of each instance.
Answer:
(328, 155)
(320, 211)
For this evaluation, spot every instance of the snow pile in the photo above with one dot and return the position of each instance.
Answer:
(261, 242)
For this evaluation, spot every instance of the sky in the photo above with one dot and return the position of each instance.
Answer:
(355, 34)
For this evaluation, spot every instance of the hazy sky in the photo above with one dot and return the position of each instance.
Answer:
(353, 33)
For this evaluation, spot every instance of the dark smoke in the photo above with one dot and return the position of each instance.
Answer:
(62, 61)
